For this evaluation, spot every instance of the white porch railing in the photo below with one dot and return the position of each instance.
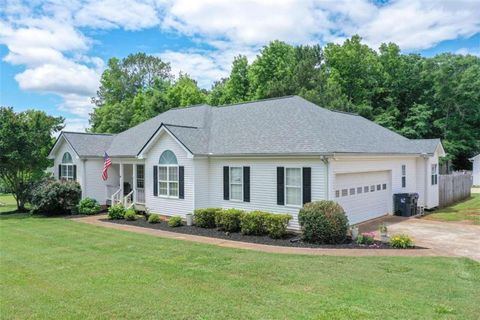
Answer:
(116, 197)
(128, 200)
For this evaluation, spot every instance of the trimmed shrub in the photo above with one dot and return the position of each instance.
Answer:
(229, 220)
(175, 222)
(130, 215)
(153, 218)
(323, 222)
(88, 206)
(205, 218)
(54, 197)
(367, 238)
(276, 225)
(116, 212)
(401, 241)
(254, 223)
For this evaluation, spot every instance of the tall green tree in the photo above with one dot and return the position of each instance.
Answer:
(185, 92)
(119, 85)
(25, 141)
(271, 74)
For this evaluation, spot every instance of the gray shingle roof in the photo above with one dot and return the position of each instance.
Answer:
(289, 125)
(89, 144)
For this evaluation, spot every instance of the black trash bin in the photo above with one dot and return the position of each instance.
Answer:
(405, 204)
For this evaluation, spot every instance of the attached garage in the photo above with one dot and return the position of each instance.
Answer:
(364, 195)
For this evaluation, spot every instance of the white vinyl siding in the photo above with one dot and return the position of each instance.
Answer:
(263, 183)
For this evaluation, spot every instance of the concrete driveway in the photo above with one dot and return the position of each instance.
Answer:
(445, 238)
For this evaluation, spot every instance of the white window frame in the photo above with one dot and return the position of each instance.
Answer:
(230, 183)
(67, 177)
(67, 165)
(434, 174)
(168, 181)
(287, 186)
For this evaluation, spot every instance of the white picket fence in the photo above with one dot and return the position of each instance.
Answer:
(454, 187)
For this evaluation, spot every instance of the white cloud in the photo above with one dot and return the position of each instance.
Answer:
(127, 14)
(47, 37)
(466, 51)
(76, 124)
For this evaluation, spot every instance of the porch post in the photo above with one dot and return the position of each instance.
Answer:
(121, 180)
(134, 183)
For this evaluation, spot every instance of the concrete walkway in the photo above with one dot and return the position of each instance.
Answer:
(95, 220)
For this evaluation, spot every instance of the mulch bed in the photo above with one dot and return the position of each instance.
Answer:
(291, 240)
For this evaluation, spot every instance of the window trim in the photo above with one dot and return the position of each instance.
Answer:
(230, 183)
(434, 174)
(285, 187)
(67, 177)
(168, 181)
(404, 175)
(140, 179)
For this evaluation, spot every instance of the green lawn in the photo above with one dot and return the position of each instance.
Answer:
(57, 268)
(467, 210)
(7, 204)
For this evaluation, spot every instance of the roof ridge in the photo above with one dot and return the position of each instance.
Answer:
(190, 106)
(255, 101)
(179, 126)
(91, 133)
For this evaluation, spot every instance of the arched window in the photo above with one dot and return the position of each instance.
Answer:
(67, 158)
(168, 158)
(168, 175)
(67, 168)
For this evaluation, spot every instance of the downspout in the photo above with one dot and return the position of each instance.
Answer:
(327, 174)
(84, 178)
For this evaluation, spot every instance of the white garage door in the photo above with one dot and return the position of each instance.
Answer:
(363, 195)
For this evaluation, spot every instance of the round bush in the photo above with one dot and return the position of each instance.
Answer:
(154, 218)
(88, 206)
(205, 218)
(229, 219)
(130, 215)
(323, 222)
(54, 197)
(254, 223)
(116, 212)
(175, 222)
(276, 225)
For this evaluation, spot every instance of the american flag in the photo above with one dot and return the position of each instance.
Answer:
(107, 162)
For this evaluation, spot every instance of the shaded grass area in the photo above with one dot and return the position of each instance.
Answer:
(467, 210)
(7, 204)
(58, 268)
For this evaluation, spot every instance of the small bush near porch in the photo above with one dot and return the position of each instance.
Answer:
(57, 268)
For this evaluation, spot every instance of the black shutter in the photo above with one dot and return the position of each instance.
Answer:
(246, 184)
(307, 185)
(280, 186)
(226, 183)
(74, 172)
(181, 182)
(59, 172)
(155, 181)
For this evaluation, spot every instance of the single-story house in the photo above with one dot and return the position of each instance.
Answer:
(476, 169)
(272, 155)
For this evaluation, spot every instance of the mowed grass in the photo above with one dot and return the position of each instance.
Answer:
(61, 269)
(467, 210)
(7, 204)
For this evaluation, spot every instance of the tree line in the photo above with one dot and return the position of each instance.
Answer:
(416, 96)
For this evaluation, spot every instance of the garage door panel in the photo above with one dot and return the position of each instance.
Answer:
(364, 205)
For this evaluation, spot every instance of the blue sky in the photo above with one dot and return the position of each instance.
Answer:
(53, 52)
